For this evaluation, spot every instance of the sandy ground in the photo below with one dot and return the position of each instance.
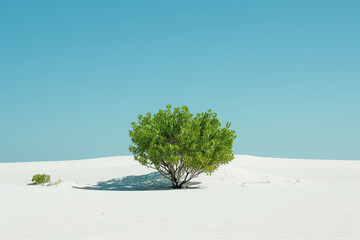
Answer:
(116, 198)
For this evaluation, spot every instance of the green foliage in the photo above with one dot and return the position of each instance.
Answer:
(40, 178)
(181, 145)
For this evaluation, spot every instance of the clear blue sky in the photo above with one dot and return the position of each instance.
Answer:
(75, 74)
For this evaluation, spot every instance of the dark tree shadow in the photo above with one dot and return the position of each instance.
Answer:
(147, 182)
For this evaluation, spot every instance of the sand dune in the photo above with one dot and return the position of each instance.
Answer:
(116, 198)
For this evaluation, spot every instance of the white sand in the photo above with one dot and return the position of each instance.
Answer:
(251, 198)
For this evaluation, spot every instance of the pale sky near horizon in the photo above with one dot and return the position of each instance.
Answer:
(75, 74)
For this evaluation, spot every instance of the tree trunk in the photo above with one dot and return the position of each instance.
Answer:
(176, 186)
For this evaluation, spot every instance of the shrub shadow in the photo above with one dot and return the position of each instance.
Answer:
(147, 182)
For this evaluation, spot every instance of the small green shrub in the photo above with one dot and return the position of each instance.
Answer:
(40, 178)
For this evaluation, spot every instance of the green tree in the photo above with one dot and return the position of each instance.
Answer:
(181, 145)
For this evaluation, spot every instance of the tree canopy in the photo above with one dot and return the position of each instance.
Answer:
(181, 145)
